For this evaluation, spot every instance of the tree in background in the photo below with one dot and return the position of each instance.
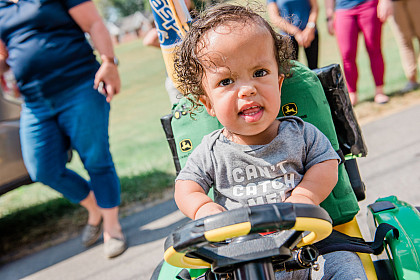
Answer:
(111, 10)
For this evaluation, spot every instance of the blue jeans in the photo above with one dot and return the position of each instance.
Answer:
(339, 265)
(77, 118)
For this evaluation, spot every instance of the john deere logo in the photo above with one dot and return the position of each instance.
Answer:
(178, 114)
(289, 109)
(185, 145)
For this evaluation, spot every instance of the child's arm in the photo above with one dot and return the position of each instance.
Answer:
(193, 201)
(317, 183)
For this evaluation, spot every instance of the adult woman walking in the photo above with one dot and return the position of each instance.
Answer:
(297, 18)
(345, 19)
(405, 25)
(57, 74)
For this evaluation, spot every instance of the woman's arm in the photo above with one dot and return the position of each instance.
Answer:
(89, 20)
(317, 183)
(151, 39)
(3, 56)
(283, 24)
(309, 32)
(330, 13)
(193, 201)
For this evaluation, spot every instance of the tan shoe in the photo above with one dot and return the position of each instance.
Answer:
(91, 234)
(115, 247)
(381, 98)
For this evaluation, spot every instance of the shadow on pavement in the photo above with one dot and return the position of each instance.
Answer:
(144, 227)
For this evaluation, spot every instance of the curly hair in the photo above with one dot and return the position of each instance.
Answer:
(189, 68)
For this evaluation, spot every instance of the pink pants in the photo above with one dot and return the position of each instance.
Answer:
(348, 24)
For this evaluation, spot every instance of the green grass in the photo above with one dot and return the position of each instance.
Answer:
(140, 151)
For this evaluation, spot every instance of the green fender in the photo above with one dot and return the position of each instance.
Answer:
(404, 252)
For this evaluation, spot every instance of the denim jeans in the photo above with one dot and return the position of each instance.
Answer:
(339, 265)
(77, 118)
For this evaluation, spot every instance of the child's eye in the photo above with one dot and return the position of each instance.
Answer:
(260, 73)
(225, 82)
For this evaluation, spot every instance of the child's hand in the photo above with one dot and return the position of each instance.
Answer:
(208, 209)
(299, 199)
(317, 183)
(193, 201)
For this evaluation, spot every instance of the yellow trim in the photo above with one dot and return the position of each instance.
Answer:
(176, 18)
(320, 229)
(352, 228)
(223, 233)
(180, 260)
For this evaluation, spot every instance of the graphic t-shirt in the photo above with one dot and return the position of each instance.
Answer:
(259, 174)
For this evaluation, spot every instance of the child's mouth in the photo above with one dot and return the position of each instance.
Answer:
(250, 111)
(252, 114)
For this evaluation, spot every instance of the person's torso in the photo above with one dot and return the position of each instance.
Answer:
(48, 52)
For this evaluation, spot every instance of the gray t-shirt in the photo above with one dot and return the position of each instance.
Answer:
(258, 174)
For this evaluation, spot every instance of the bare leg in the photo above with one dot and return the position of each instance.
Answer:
(353, 98)
(112, 226)
(93, 210)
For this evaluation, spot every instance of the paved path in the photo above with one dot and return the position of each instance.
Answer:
(392, 167)
(145, 231)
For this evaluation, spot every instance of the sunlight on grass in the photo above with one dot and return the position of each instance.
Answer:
(25, 197)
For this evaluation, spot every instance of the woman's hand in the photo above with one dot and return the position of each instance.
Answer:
(3, 56)
(384, 9)
(308, 35)
(108, 74)
(89, 20)
(330, 25)
(329, 12)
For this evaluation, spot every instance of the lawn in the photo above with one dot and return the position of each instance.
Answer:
(140, 151)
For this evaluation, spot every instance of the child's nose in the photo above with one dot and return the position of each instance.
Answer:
(246, 90)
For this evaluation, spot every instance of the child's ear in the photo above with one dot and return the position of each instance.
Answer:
(281, 79)
(207, 103)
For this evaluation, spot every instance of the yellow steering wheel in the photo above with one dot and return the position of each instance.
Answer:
(243, 221)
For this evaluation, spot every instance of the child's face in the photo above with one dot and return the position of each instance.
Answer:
(241, 81)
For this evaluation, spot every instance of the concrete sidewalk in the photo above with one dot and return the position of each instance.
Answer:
(145, 232)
